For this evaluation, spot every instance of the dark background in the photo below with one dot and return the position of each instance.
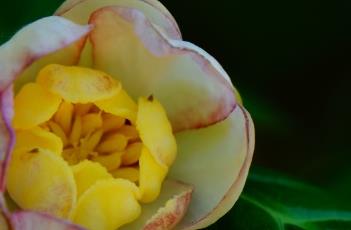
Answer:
(291, 61)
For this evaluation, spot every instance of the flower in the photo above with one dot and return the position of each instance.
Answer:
(74, 144)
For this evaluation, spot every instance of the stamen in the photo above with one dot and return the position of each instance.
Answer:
(91, 122)
(76, 131)
(113, 143)
(112, 161)
(82, 109)
(112, 122)
(90, 143)
(63, 116)
(55, 128)
(132, 153)
(70, 155)
(82, 153)
(129, 131)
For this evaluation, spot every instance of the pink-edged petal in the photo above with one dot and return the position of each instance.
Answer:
(34, 41)
(7, 135)
(158, 5)
(167, 210)
(4, 224)
(38, 221)
(217, 169)
(168, 216)
(189, 83)
(80, 10)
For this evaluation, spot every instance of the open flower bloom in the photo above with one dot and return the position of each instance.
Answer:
(110, 121)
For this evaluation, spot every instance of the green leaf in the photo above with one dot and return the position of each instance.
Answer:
(273, 201)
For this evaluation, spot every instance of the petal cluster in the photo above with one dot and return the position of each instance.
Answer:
(138, 43)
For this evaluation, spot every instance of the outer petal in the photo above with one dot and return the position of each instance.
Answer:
(7, 134)
(217, 169)
(188, 82)
(167, 210)
(38, 221)
(34, 41)
(79, 11)
(4, 225)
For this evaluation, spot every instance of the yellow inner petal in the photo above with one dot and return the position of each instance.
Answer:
(29, 104)
(86, 173)
(121, 104)
(160, 141)
(128, 173)
(78, 84)
(107, 205)
(40, 180)
(38, 138)
(152, 175)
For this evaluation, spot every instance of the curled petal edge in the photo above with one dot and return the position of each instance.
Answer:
(34, 41)
(169, 24)
(233, 193)
(206, 82)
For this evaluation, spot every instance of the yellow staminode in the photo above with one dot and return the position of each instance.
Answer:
(38, 137)
(88, 152)
(40, 180)
(78, 85)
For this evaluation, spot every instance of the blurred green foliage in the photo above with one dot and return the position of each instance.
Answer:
(291, 62)
(275, 202)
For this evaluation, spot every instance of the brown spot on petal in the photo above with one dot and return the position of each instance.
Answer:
(150, 98)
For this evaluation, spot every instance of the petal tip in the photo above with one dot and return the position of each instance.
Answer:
(168, 216)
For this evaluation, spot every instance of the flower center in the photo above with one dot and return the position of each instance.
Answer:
(83, 143)
(87, 132)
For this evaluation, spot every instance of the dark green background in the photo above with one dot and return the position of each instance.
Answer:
(291, 61)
